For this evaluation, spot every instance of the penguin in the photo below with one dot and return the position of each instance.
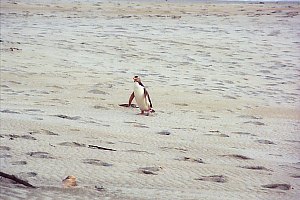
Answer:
(141, 96)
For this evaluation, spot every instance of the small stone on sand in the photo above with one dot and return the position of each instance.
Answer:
(69, 181)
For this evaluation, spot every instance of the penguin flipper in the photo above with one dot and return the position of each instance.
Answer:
(147, 96)
(130, 99)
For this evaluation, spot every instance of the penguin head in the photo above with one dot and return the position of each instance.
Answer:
(137, 79)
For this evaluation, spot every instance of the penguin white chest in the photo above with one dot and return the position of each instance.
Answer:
(140, 97)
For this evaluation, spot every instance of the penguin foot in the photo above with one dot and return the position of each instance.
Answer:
(146, 113)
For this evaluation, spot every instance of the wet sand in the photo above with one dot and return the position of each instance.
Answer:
(223, 78)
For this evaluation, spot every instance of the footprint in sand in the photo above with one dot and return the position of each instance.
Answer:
(47, 132)
(255, 168)
(100, 107)
(255, 123)
(13, 136)
(195, 160)
(28, 174)
(164, 133)
(218, 135)
(174, 148)
(149, 170)
(97, 162)
(249, 117)
(243, 133)
(5, 156)
(95, 91)
(67, 117)
(99, 188)
(293, 141)
(140, 125)
(31, 174)
(10, 111)
(295, 176)
(39, 154)
(264, 141)
(237, 156)
(22, 162)
(4, 148)
(213, 178)
(72, 144)
(278, 186)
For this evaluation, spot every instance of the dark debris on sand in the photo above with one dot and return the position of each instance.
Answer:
(278, 186)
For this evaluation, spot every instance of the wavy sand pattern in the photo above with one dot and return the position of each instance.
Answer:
(224, 81)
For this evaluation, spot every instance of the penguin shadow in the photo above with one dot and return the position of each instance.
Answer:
(149, 113)
(127, 106)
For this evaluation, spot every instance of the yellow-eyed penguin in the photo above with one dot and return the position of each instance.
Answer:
(141, 96)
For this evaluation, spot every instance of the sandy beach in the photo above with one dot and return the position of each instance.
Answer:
(223, 79)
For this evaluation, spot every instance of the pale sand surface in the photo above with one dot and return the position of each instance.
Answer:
(223, 80)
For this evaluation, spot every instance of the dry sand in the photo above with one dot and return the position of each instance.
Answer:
(223, 80)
